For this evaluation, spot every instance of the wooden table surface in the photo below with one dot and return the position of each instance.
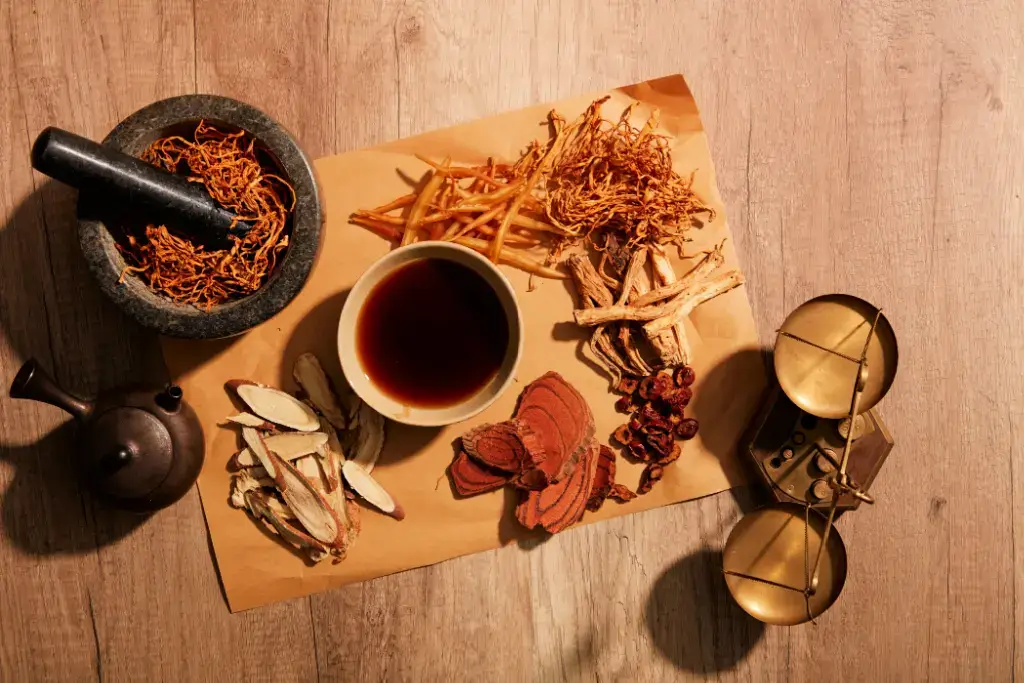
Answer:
(869, 146)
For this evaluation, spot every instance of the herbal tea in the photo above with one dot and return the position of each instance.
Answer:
(432, 333)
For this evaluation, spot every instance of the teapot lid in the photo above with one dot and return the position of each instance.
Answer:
(127, 452)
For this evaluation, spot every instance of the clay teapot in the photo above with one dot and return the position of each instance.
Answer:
(138, 449)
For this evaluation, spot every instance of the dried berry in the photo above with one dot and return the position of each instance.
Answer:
(652, 473)
(621, 493)
(677, 399)
(627, 385)
(661, 444)
(623, 435)
(624, 404)
(648, 414)
(672, 456)
(658, 425)
(687, 429)
(685, 376)
(639, 451)
(654, 386)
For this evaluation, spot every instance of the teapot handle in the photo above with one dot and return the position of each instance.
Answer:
(33, 383)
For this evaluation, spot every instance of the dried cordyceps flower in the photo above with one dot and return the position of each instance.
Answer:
(241, 180)
(615, 179)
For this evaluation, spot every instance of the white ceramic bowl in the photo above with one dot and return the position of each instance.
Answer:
(415, 415)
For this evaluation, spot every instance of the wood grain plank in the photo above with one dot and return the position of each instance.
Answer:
(45, 630)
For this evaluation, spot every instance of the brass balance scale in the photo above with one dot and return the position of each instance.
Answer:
(817, 445)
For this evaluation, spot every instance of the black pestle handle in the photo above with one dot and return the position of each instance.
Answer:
(161, 196)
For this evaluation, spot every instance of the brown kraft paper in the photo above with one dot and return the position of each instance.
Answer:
(257, 569)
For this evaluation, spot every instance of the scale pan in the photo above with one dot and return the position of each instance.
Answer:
(822, 383)
(769, 544)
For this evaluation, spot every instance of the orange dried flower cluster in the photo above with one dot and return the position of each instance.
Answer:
(229, 166)
(613, 178)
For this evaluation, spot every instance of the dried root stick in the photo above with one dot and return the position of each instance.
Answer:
(683, 305)
(671, 343)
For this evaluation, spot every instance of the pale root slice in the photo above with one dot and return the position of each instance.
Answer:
(306, 465)
(310, 506)
(242, 483)
(289, 445)
(254, 421)
(309, 375)
(280, 509)
(258, 505)
(276, 406)
(369, 439)
(254, 440)
(331, 456)
(683, 305)
(371, 491)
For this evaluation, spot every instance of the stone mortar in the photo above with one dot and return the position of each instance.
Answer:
(155, 312)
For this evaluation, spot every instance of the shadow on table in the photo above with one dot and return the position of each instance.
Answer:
(693, 620)
(87, 345)
(47, 511)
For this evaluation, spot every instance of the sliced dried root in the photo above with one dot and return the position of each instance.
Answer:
(310, 506)
(370, 490)
(288, 445)
(309, 375)
(276, 406)
(250, 420)
(369, 438)
(308, 466)
(242, 483)
(258, 505)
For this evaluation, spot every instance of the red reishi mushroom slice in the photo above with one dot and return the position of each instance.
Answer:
(470, 477)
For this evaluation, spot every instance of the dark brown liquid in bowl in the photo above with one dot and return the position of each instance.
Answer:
(432, 333)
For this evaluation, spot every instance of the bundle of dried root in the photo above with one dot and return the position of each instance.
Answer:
(292, 473)
(613, 179)
(641, 328)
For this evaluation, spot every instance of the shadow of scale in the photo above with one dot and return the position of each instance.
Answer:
(816, 445)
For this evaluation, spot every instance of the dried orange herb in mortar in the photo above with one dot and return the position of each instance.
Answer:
(237, 176)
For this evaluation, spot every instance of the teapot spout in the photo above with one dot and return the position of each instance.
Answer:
(33, 383)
